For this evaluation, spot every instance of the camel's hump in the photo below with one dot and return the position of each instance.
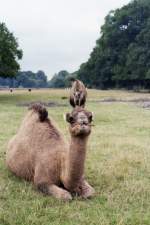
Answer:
(41, 110)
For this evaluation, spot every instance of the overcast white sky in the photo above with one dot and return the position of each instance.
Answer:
(56, 34)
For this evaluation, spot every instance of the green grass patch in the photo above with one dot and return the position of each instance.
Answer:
(117, 165)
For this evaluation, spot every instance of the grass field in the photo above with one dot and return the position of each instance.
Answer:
(117, 166)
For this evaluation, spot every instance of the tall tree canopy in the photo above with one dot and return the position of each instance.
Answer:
(121, 56)
(9, 53)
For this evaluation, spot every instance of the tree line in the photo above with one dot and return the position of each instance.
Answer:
(29, 79)
(120, 58)
(26, 79)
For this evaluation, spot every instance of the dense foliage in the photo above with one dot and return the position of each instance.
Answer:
(121, 57)
(9, 53)
(61, 79)
(26, 79)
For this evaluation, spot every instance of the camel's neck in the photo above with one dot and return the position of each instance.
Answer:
(75, 161)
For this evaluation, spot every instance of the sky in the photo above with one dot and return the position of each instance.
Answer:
(56, 34)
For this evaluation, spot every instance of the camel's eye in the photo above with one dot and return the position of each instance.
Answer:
(90, 119)
(71, 120)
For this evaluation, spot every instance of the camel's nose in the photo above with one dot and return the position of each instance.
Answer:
(84, 124)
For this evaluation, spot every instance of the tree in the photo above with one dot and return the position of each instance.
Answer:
(26, 79)
(62, 79)
(41, 79)
(121, 56)
(59, 80)
(9, 53)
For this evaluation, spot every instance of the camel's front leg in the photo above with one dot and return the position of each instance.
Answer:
(85, 190)
(44, 184)
(52, 189)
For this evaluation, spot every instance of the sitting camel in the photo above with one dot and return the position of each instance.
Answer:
(39, 153)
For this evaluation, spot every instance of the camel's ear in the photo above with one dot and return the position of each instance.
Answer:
(90, 116)
(69, 118)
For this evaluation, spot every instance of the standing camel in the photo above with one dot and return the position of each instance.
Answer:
(78, 94)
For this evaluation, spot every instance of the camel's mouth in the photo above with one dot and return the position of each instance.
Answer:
(78, 129)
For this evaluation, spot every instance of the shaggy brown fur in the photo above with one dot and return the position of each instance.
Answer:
(78, 94)
(39, 153)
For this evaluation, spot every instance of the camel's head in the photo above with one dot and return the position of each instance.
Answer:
(77, 97)
(80, 122)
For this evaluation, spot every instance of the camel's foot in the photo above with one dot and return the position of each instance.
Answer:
(55, 191)
(64, 195)
(88, 192)
(85, 190)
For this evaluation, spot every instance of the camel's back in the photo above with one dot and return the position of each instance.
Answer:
(35, 135)
(35, 140)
